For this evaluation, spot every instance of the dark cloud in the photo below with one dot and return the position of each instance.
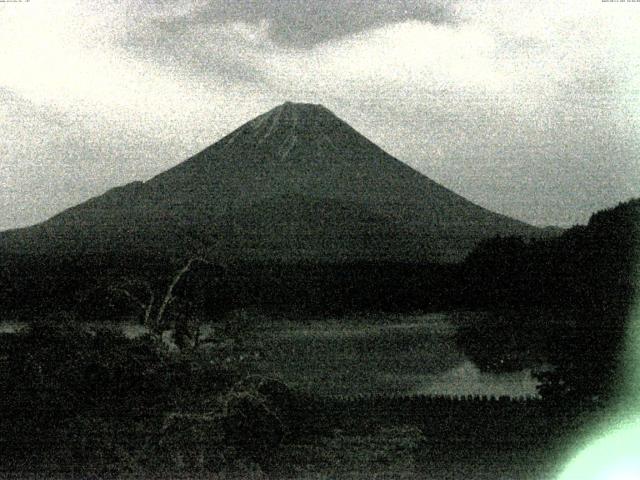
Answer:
(303, 24)
(191, 39)
(182, 42)
(191, 35)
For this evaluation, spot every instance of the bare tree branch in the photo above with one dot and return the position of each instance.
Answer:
(169, 297)
(154, 304)
(147, 306)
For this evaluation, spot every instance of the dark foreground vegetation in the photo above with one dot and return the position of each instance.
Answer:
(77, 403)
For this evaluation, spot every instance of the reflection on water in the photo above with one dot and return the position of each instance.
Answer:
(133, 330)
(11, 327)
(338, 329)
(467, 379)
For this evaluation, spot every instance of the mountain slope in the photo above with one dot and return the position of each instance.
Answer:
(296, 183)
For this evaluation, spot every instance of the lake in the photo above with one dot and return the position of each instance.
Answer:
(378, 354)
(374, 354)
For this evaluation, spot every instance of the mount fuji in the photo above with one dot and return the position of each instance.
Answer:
(294, 184)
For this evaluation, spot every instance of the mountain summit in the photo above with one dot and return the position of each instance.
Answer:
(294, 184)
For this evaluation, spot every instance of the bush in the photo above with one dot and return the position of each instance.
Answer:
(100, 403)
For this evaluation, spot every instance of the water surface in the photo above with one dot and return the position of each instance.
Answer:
(412, 354)
(377, 354)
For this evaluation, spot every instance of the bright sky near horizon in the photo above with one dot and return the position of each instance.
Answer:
(530, 108)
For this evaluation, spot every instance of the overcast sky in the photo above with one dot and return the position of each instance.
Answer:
(529, 108)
